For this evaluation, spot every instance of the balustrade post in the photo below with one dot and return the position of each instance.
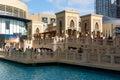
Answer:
(74, 56)
(112, 59)
(27, 55)
(32, 55)
(85, 55)
(66, 55)
(99, 58)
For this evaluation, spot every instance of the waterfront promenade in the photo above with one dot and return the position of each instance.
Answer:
(104, 61)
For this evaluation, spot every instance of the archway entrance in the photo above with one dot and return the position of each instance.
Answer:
(71, 33)
(60, 24)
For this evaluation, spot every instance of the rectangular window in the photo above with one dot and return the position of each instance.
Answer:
(16, 11)
(117, 30)
(2, 7)
(7, 24)
(52, 20)
(45, 19)
(9, 10)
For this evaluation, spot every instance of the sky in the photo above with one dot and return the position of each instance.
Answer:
(54, 6)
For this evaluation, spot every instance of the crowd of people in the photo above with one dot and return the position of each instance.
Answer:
(29, 50)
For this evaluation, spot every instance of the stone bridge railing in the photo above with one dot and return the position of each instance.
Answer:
(67, 56)
(28, 57)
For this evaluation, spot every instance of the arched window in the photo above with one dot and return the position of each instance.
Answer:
(85, 28)
(96, 27)
(60, 28)
(37, 30)
(60, 23)
(72, 23)
(97, 32)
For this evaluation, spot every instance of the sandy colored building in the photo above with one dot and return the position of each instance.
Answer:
(91, 24)
(67, 23)
(46, 18)
(68, 28)
(39, 24)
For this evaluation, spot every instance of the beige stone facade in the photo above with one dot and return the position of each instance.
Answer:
(91, 25)
(67, 23)
(38, 17)
(39, 24)
(70, 27)
(69, 31)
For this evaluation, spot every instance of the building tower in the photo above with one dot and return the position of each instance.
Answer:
(103, 7)
(118, 8)
(91, 25)
(67, 26)
(67, 23)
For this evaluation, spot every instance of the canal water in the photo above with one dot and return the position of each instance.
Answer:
(15, 71)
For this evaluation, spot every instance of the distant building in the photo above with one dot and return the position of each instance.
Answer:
(107, 8)
(103, 7)
(113, 10)
(118, 8)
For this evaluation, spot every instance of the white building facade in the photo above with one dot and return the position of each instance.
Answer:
(13, 20)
